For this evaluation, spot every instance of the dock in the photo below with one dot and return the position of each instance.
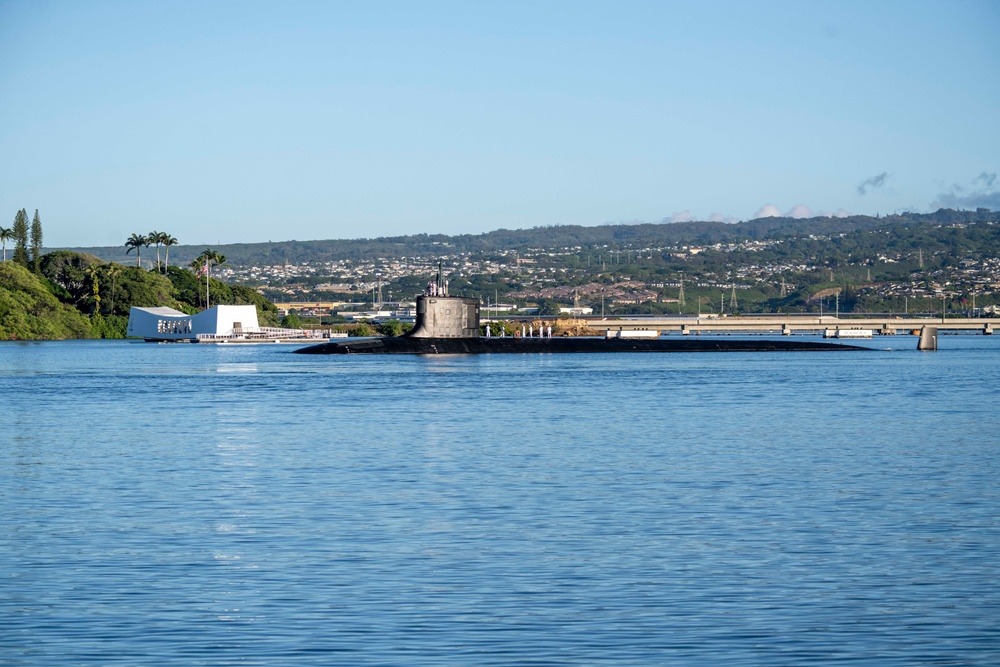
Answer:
(789, 324)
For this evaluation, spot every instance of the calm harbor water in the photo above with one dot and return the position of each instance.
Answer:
(186, 504)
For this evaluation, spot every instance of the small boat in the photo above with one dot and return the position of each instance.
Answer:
(848, 333)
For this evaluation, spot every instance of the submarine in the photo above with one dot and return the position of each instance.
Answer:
(450, 325)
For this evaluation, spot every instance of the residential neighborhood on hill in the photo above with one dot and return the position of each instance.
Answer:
(905, 264)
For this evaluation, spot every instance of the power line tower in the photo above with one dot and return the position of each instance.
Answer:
(680, 292)
(732, 298)
(920, 256)
(784, 287)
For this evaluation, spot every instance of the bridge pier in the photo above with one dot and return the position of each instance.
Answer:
(928, 339)
(888, 331)
(786, 330)
(987, 329)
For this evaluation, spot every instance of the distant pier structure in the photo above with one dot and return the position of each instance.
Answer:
(927, 328)
(788, 324)
(928, 339)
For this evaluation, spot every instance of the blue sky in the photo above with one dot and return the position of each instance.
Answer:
(252, 121)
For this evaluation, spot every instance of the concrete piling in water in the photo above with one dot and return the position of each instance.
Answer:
(928, 339)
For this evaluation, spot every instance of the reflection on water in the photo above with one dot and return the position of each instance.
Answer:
(194, 504)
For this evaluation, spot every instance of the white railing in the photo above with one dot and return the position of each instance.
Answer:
(262, 333)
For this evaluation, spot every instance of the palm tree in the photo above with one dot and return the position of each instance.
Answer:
(167, 241)
(218, 259)
(205, 261)
(136, 241)
(197, 267)
(5, 235)
(156, 237)
(112, 271)
(94, 273)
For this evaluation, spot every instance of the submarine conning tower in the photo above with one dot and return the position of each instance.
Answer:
(446, 317)
(443, 316)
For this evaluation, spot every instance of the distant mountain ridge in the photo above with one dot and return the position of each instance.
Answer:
(622, 236)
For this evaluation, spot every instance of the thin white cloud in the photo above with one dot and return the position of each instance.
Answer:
(681, 216)
(799, 211)
(767, 211)
(839, 213)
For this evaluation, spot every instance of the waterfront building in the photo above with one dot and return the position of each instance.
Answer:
(166, 324)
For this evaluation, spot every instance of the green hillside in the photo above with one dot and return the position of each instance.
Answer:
(631, 235)
(30, 309)
(78, 295)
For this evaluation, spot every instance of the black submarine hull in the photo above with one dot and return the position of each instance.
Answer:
(412, 345)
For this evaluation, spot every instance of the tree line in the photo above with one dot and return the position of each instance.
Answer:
(24, 237)
(201, 265)
(601, 238)
(154, 238)
(67, 294)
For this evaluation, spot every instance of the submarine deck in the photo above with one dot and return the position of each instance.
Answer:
(412, 345)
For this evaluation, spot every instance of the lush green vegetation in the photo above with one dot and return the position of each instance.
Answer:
(30, 308)
(76, 295)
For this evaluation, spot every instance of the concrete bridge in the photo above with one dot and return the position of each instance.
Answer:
(788, 324)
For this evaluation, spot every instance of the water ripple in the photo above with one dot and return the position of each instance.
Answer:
(168, 505)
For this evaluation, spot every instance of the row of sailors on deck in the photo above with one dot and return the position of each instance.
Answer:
(527, 331)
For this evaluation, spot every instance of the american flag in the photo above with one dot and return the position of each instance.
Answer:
(203, 270)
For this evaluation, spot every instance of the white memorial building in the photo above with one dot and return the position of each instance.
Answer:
(164, 323)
